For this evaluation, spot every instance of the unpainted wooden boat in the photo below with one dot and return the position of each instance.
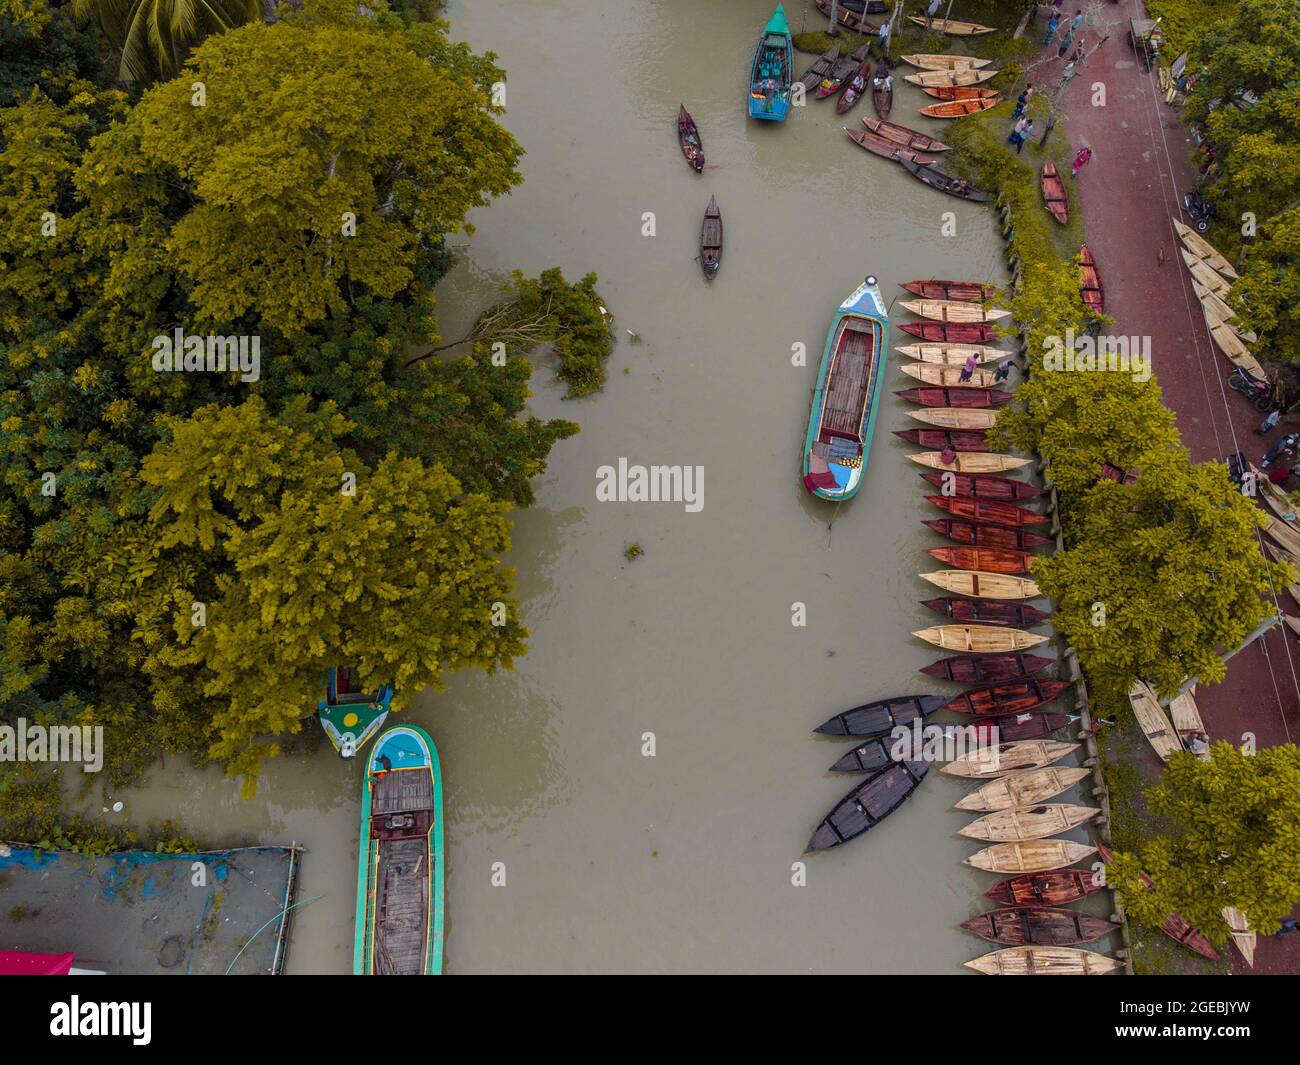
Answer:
(771, 71)
(954, 27)
(1203, 249)
(1007, 759)
(711, 240)
(1280, 531)
(882, 91)
(906, 138)
(976, 534)
(951, 332)
(1243, 938)
(983, 585)
(885, 149)
(1006, 697)
(688, 137)
(956, 418)
(1044, 961)
(961, 92)
(881, 717)
(1175, 926)
(1217, 312)
(985, 669)
(1038, 926)
(1230, 343)
(867, 757)
(948, 376)
(938, 439)
(968, 462)
(1022, 788)
(944, 61)
(1054, 192)
(961, 291)
(1205, 274)
(979, 486)
(849, 18)
(1032, 856)
(1153, 721)
(985, 559)
(964, 190)
(961, 396)
(952, 78)
(868, 804)
(952, 354)
(988, 511)
(1051, 889)
(960, 107)
(854, 86)
(979, 639)
(1185, 716)
(1028, 822)
(841, 72)
(955, 311)
(821, 68)
(1090, 287)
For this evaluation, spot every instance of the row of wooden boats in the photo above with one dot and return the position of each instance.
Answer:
(851, 14)
(1212, 277)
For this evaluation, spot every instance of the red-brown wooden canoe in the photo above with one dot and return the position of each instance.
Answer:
(1116, 473)
(1175, 926)
(849, 18)
(854, 86)
(1090, 281)
(952, 332)
(985, 669)
(883, 148)
(882, 99)
(906, 138)
(1030, 726)
(1037, 889)
(973, 535)
(1010, 697)
(1038, 925)
(987, 612)
(939, 396)
(938, 439)
(1054, 192)
(961, 291)
(983, 559)
(984, 485)
(961, 92)
(959, 108)
(990, 511)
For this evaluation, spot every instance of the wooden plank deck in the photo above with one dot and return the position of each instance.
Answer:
(850, 378)
(402, 907)
(402, 791)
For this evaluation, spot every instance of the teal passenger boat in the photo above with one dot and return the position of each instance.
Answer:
(845, 403)
(348, 715)
(399, 876)
(770, 75)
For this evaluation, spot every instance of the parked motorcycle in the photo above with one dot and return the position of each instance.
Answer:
(1255, 389)
(1200, 209)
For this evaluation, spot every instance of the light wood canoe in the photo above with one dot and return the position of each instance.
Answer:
(947, 376)
(979, 639)
(1274, 497)
(1234, 347)
(970, 461)
(1278, 555)
(1201, 270)
(958, 108)
(1007, 759)
(953, 354)
(955, 417)
(1023, 788)
(1243, 938)
(955, 311)
(951, 78)
(1282, 533)
(1035, 856)
(1215, 307)
(955, 27)
(935, 61)
(1044, 961)
(1186, 718)
(983, 585)
(1153, 720)
(1203, 249)
(1028, 822)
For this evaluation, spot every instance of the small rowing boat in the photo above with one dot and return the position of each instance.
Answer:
(841, 71)
(1033, 856)
(979, 639)
(821, 68)
(983, 585)
(953, 26)
(961, 92)
(961, 397)
(945, 61)
(882, 91)
(959, 108)
(1205, 274)
(688, 137)
(938, 439)
(962, 291)
(868, 804)
(1090, 288)
(955, 310)
(983, 669)
(711, 240)
(1054, 192)
(988, 511)
(1175, 926)
(854, 87)
(957, 418)
(1030, 726)
(1006, 697)
(980, 535)
(951, 332)
(986, 612)
(771, 71)
(881, 717)
(1203, 249)
(1044, 961)
(1022, 788)
(948, 376)
(1028, 822)
(970, 462)
(905, 138)
(981, 487)
(849, 17)
(883, 148)
(1153, 720)
(951, 78)
(953, 186)
(1008, 759)
(986, 559)
(1186, 718)
(1055, 889)
(952, 354)
(867, 757)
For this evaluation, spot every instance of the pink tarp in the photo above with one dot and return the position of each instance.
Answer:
(23, 963)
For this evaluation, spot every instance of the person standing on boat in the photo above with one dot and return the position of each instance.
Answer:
(1023, 101)
(968, 370)
(1052, 23)
(948, 455)
(1081, 158)
(1002, 372)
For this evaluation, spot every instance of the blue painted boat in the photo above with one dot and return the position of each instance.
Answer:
(771, 72)
(349, 715)
(845, 403)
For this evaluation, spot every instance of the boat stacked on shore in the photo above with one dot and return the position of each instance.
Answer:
(1212, 277)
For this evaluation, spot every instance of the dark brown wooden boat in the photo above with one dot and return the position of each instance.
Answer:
(1009, 697)
(843, 69)
(961, 291)
(984, 485)
(988, 511)
(959, 108)
(983, 559)
(939, 396)
(938, 439)
(854, 86)
(850, 18)
(951, 332)
(954, 186)
(1118, 474)
(1090, 287)
(882, 91)
(1041, 926)
(711, 240)
(868, 804)
(973, 535)
(822, 66)
(1175, 926)
(987, 612)
(1030, 726)
(1054, 192)
(866, 757)
(883, 148)
(688, 136)
(1039, 889)
(961, 92)
(880, 718)
(984, 669)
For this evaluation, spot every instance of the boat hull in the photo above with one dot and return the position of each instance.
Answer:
(986, 669)
(771, 71)
(938, 439)
(881, 717)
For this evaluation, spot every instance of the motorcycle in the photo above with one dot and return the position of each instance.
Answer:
(1200, 210)
(1255, 389)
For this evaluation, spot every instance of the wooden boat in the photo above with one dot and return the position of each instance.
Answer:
(957, 418)
(1006, 697)
(849, 17)
(938, 439)
(984, 488)
(1280, 531)
(399, 918)
(350, 716)
(1203, 249)
(943, 61)
(952, 354)
(868, 804)
(1243, 938)
(962, 189)
(1028, 726)
(951, 332)
(866, 757)
(1234, 347)
(1217, 311)
(983, 585)
(988, 511)
(951, 78)
(953, 26)
(1090, 288)
(979, 639)
(853, 88)
(1022, 788)
(960, 107)
(1153, 721)
(961, 92)
(968, 462)
(955, 311)
(963, 397)
(984, 669)
(1028, 822)
(977, 535)
(1044, 961)
(961, 291)
(688, 137)
(985, 559)
(910, 139)
(1205, 274)
(821, 68)
(1054, 889)
(1008, 759)
(1118, 474)
(882, 91)
(841, 72)
(948, 376)
(844, 406)
(881, 717)
(1038, 926)
(883, 148)
(1186, 718)
(772, 70)
(711, 240)
(1033, 856)
(1175, 926)
(985, 612)
(1054, 192)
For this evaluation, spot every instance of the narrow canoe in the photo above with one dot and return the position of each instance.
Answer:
(975, 534)
(951, 332)
(883, 148)
(1280, 531)
(868, 804)
(868, 757)
(962, 291)
(985, 559)
(948, 376)
(951, 78)
(1054, 889)
(983, 487)
(844, 404)
(988, 511)
(688, 137)
(1033, 856)
(1118, 474)
(1185, 716)
(952, 354)
(1006, 697)
(1054, 193)
(821, 68)
(1030, 726)
(1203, 249)
(986, 612)
(882, 91)
(958, 440)
(1028, 822)
(849, 18)
(1215, 307)
(979, 639)
(964, 190)
(1022, 788)
(399, 916)
(1090, 287)
(711, 240)
(970, 462)
(349, 716)
(1242, 937)
(1175, 926)
(984, 669)
(1153, 721)
(961, 92)
(963, 397)
(1038, 926)
(906, 138)
(959, 108)
(881, 717)
(841, 72)
(955, 418)
(953, 26)
(1205, 274)
(1231, 344)
(1008, 759)
(853, 88)
(1044, 961)
(983, 585)
(955, 310)
(943, 61)
(771, 71)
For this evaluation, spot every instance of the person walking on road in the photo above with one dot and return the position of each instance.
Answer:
(1081, 158)
(1269, 423)
(1287, 443)
(1077, 21)
(1052, 23)
(1066, 41)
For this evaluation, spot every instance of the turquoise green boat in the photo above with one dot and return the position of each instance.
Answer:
(399, 874)
(348, 715)
(845, 403)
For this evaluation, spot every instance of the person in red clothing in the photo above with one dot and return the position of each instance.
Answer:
(1081, 158)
